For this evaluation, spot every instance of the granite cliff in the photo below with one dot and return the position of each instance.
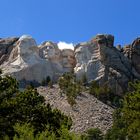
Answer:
(97, 59)
(100, 60)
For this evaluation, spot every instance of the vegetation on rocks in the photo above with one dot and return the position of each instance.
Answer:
(70, 87)
(92, 134)
(24, 114)
(105, 94)
(27, 107)
(26, 132)
(46, 81)
(127, 118)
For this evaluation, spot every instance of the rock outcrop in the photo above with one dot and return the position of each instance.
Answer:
(96, 59)
(49, 51)
(135, 58)
(132, 52)
(61, 60)
(24, 62)
(99, 60)
(27, 62)
(6, 46)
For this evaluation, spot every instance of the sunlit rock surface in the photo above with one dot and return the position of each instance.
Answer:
(24, 61)
(97, 59)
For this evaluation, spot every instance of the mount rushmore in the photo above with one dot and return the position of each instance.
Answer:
(97, 59)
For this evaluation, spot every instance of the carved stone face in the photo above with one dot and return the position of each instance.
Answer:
(68, 58)
(82, 54)
(50, 51)
(27, 47)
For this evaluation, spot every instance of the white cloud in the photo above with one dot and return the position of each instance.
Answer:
(64, 45)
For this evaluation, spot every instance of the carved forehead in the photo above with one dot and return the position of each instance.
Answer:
(48, 45)
(28, 40)
(67, 52)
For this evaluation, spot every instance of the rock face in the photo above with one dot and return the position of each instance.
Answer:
(96, 59)
(135, 51)
(24, 62)
(61, 60)
(99, 60)
(49, 51)
(23, 59)
(6, 46)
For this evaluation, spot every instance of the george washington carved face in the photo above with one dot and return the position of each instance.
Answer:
(27, 46)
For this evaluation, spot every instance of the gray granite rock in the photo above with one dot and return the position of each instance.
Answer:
(99, 60)
(87, 113)
(96, 59)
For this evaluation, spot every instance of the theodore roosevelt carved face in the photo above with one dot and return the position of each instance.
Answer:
(82, 54)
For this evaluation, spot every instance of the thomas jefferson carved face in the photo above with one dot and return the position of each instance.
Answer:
(50, 51)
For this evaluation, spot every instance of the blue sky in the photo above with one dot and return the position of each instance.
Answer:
(70, 20)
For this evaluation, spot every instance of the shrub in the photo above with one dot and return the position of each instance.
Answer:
(84, 79)
(70, 87)
(27, 106)
(46, 81)
(105, 94)
(92, 134)
(101, 92)
(26, 132)
(126, 123)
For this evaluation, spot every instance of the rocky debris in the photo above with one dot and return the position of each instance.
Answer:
(96, 59)
(87, 113)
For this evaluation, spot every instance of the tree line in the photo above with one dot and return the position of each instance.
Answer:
(24, 114)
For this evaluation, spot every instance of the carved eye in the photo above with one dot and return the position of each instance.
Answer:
(101, 41)
(49, 47)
